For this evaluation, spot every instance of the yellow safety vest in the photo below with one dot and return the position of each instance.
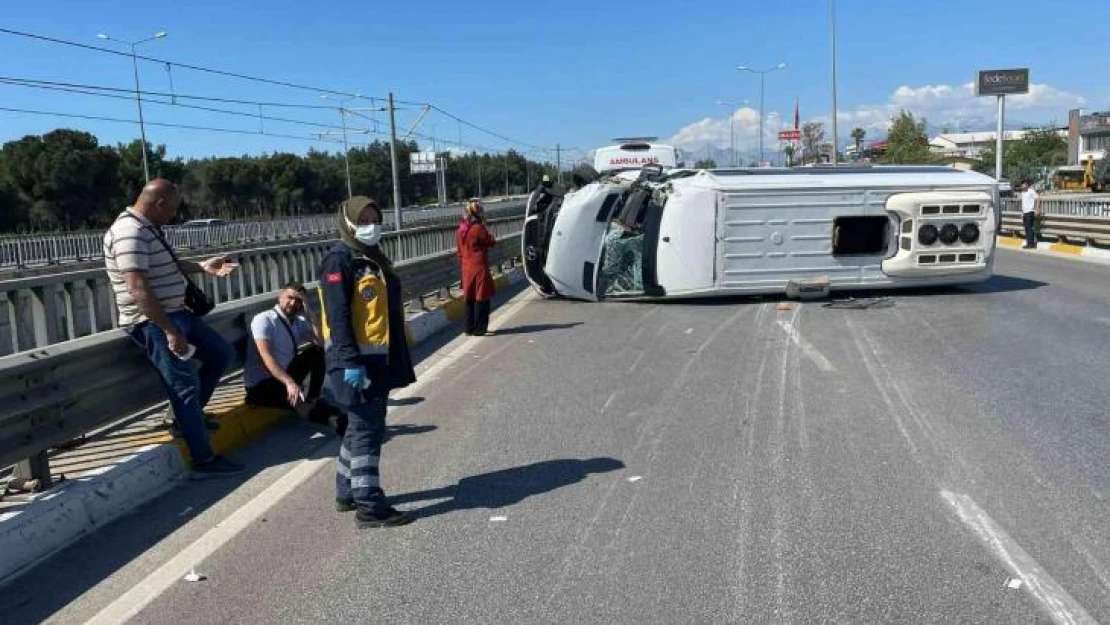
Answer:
(369, 313)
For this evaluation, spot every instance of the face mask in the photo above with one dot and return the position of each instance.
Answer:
(369, 235)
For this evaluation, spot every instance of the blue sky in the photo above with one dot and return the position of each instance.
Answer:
(571, 72)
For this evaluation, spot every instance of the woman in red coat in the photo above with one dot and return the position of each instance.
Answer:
(473, 240)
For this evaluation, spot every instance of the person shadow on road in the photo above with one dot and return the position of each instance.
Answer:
(500, 489)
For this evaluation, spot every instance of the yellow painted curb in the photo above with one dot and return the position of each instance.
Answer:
(1010, 241)
(238, 426)
(455, 309)
(1065, 248)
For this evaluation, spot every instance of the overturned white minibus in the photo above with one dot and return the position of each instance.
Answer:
(654, 233)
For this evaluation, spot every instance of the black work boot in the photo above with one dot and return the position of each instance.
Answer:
(390, 517)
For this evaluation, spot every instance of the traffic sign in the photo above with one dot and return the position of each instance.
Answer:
(790, 135)
(422, 162)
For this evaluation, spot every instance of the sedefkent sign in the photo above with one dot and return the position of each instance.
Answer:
(1002, 82)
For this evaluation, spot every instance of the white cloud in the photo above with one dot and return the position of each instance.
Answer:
(948, 105)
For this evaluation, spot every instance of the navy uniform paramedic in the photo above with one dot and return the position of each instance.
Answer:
(367, 355)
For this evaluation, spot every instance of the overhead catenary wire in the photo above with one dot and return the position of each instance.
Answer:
(121, 93)
(262, 80)
(197, 68)
(195, 107)
(162, 124)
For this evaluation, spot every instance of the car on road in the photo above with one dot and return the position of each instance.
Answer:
(651, 232)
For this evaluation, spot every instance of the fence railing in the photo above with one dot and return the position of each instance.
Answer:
(1076, 229)
(1094, 206)
(44, 310)
(57, 393)
(22, 251)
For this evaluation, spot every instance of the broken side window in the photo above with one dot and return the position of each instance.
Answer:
(622, 262)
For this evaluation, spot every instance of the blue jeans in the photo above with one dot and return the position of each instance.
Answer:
(188, 389)
(357, 478)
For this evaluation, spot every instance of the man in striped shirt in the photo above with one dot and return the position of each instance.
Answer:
(149, 287)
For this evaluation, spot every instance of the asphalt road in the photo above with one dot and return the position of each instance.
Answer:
(716, 461)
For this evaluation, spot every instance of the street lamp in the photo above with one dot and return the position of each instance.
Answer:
(732, 129)
(762, 73)
(138, 97)
(832, 30)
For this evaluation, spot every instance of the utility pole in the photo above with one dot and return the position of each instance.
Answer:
(396, 173)
(479, 177)
(506, 176)
(559, 163)
(346, 151)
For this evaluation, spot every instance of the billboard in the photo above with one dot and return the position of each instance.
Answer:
(422, 162)
(790, 135)
(1002, 82)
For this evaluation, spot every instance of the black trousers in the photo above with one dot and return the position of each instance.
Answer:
(1028, 221)
(309, 361)
(477, 317)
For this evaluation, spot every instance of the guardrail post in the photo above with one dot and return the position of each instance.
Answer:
(37, 467)
(30, 320)
(84, 313)
(9, 338)
(104, 304)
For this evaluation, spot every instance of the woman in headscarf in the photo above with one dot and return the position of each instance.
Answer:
(367, 354)
(473, 241)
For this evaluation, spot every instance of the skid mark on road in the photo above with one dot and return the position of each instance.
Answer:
(1060, 605)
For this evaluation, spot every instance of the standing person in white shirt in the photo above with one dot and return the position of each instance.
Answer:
(1029, 214)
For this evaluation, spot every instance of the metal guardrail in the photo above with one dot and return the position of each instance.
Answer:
(21, 251)
(1071, 206)
(55, 394)
(1081, 230)
(45, 310)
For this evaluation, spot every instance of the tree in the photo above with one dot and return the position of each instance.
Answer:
(789, 150)
(907, 141)
(65, 177)
(706, 163)
(858, 135)
(1028, 158)
(131, 175)
(813, 135)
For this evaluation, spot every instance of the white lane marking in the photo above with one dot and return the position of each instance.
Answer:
(152, 586)
(498, 519)
(635, 478)
(636, 362)
(609, 401)
(807, 348)
(142, 594)
(1061, 607)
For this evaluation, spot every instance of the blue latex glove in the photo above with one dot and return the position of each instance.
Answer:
(356, 378)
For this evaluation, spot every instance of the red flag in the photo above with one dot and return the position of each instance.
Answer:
(795, 113)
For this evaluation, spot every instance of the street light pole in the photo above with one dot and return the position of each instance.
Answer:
(346, 153)
(732, 129)
(762, 73)
(138, 93)
(832, 28)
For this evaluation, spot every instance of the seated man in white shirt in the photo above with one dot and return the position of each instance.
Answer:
(285, 350)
